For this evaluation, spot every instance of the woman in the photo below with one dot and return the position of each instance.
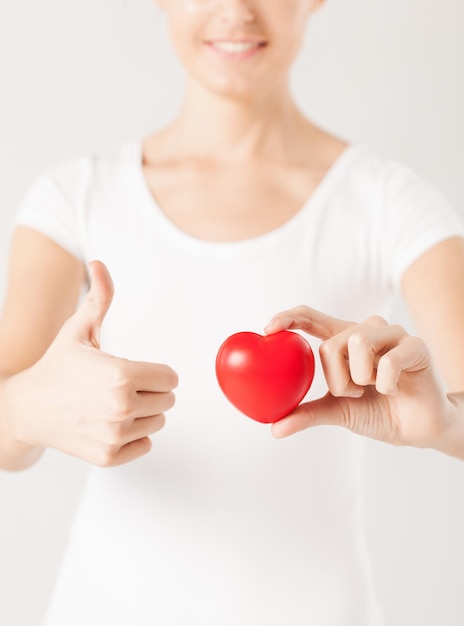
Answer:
(240, 208)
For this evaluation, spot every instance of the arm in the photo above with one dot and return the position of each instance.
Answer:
(433, 288)
(57, 388)
(382, 382)
(42, 292)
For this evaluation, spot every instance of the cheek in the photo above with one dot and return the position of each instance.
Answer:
(197, 7)
(186, 24)
(285, 25)
(189, 10)
(285, 46)
(289, 37)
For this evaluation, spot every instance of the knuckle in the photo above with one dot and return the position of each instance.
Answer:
(121, 403)
(415, 342)
(388, 374)
(302, 309)
(120, 378)
(376, 321)
(124, 410)
(114, 434)
(358, 340)
(327, 349)
(418, 347)
(121, 406)
(399, 330)
(106, 455)
(387, 363)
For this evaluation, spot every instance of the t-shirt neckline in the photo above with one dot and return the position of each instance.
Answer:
(325, 187)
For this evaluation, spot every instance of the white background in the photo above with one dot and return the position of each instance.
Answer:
(82, 76)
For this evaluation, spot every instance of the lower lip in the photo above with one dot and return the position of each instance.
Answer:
(246, 54)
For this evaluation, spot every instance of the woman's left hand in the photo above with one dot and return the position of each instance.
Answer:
(382, 382)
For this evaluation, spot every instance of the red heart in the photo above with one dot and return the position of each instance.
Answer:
(265, 377)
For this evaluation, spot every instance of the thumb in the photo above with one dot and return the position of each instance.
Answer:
(326, 411)
(85, 324)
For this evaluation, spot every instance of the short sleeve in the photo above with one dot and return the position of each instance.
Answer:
(49, 206)
(416, 217)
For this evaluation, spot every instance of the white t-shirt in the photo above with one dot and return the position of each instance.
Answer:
(222, 525)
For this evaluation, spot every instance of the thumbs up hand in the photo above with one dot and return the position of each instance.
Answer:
(85, 402)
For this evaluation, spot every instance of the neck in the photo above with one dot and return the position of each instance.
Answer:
(216, 127)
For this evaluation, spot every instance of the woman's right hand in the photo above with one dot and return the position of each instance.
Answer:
(85, 402)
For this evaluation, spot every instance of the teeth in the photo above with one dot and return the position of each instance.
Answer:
(235, 46)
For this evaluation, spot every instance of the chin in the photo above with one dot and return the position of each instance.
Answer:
(237, 95)
(239, 90)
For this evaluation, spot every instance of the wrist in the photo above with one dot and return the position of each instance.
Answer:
(16, 453)
(452, 440)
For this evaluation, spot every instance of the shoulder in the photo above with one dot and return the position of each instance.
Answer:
(73, 177)
(58, 197)
(412, 214)
(371, 165)
(391, 185)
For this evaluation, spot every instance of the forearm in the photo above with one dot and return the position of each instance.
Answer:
(452, 442)
(14, 454)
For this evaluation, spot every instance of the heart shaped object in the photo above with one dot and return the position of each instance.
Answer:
(265, 377)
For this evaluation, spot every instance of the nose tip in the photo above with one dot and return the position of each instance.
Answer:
(237, 10)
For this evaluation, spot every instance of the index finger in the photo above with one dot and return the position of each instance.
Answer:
(310, 320)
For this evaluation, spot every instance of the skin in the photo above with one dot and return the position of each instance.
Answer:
(76, 398)
(238, 129)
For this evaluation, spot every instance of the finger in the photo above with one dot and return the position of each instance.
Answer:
(366, 345)
(129, 452)
(145, 426)
(148, 403)
(326, 411)
(154, 377)
(86, 322)
(115, 434)
(334, 359)
(411, 355)
(375, 321)
(309, 320)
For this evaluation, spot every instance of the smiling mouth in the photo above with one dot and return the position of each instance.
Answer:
(236, 49)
